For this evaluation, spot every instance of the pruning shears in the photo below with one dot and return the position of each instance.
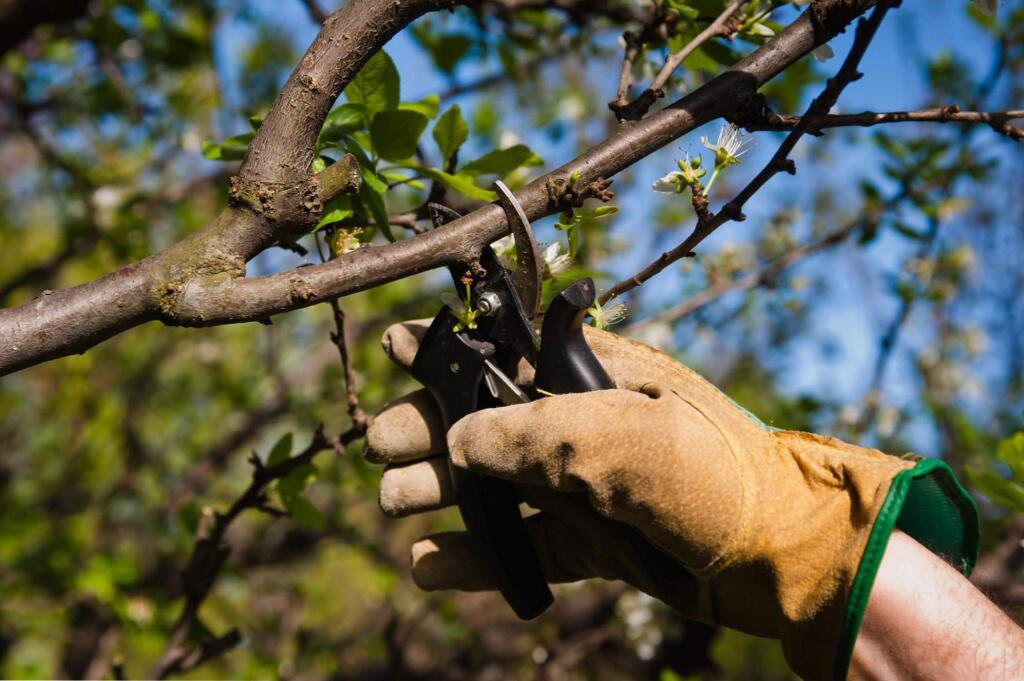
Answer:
(467, 367)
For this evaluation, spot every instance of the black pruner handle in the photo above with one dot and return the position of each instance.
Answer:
(566, 364)
(451, 366)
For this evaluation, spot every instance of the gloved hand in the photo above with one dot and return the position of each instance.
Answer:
(780, 532)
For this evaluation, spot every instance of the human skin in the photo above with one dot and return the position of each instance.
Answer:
(925, 621)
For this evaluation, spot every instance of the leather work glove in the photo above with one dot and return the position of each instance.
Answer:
(780, 532)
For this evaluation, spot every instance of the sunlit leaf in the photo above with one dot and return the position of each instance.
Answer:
(281, 450)
(450, 131)
(501, 162)
(395, 134)
(376, 86)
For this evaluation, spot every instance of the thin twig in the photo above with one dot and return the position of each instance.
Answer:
(779, 162)
(360, 421)
(633, 45)
(723, 25)
(210, 552)
(359, 418)
(997, 120)
(317, 14)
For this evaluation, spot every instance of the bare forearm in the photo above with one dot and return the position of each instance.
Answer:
(926, 621)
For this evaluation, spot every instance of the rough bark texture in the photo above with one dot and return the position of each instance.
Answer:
(200, 281)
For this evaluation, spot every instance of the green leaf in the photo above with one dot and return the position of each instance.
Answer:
(574, 241)
(336, 210)
(395, 134)
(372, 189)
(304, 512)
(373, 198)
(393, 179)
(318, 165)
(343, 120)
(256, 120)
(449, 50)
(998, 489)
(683, 9)
(461, 183)
(231, 149)
(281, 450)
(290, 489)
(554, 285)
(376, 86)
(450, 131)
(1011, 452)
(605, 211)
(428, 106)
(501, 162)
(292, 484)
(721, 54)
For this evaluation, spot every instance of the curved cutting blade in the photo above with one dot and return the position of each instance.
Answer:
(527, 275)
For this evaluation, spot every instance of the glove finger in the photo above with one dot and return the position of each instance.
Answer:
(563, 441)
(450, 560)
(405, 429)
(402, 340)
(416, 487)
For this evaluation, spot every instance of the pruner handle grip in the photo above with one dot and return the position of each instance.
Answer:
(566, 364)
(451, 366)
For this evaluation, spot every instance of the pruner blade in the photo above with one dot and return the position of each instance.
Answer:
(502, 387)
(527, 275)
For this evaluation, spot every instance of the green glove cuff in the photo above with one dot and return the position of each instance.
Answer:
(930, 505)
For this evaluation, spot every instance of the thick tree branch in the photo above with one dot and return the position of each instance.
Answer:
(199, 282)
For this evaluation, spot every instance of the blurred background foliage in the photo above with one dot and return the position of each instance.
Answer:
(875, 297)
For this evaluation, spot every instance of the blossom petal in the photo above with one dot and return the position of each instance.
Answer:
(669, 184)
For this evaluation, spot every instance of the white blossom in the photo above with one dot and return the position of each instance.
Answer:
(731, 144)
(671, 183)
(555, 261)
(603, 317)
(505, 249)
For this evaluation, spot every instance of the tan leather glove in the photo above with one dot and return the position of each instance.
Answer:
(780, 532)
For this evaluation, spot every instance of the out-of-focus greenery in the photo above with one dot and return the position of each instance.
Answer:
(119, 131)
